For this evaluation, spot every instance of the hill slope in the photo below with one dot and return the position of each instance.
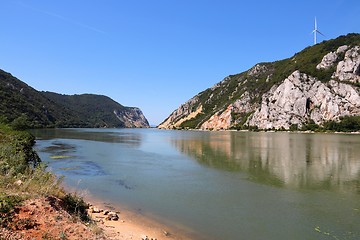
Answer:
(45, 109)
(100, 111)
(318, 84)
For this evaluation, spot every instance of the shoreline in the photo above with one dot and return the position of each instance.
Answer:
(132, 224)
(261, 131)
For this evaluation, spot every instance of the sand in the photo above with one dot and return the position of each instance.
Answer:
(132, 225)
(44, 218)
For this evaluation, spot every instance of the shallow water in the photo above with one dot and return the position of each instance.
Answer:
(221, 185)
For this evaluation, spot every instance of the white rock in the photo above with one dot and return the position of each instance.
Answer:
(342, 49)
(95, 210)
(349, 68)
(328, 60)
(286, 104)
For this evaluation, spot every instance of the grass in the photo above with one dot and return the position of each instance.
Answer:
(23, 176)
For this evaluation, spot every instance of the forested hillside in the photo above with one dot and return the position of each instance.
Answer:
(27, 106)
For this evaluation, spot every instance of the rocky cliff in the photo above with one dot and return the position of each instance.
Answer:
(319, 84)
(132, 117)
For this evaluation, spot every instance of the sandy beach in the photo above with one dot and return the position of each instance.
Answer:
(45, 218)
(131, 224)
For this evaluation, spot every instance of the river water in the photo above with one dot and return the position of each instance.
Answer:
(219, 185)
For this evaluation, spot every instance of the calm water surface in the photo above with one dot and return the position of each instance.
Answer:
(221, 185)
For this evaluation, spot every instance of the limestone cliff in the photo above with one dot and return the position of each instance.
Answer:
(300, 98)
(132, 117)
(319, 84)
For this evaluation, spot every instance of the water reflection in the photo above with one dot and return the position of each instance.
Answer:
(306, 161)
(100, 135)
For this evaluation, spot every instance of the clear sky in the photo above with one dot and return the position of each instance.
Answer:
(157, 54)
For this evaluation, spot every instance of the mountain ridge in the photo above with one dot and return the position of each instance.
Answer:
(47, 109)
(237, 99)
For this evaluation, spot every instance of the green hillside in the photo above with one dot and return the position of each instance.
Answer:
(96, 110)
(18, 99)
(23, 105)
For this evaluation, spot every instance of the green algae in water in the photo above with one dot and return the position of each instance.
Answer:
(60, 157)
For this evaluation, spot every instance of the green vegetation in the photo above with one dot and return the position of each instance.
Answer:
(28, 108)
(256, 83)
(76, 206)
(95, 110)
(346, 124)
(23, 176)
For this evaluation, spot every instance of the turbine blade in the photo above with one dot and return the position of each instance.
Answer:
(320, 32)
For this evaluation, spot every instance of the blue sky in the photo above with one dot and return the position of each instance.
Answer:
(156, 54)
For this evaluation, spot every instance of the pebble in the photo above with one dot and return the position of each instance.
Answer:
(95, 210)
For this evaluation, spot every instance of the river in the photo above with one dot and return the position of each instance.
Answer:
(218, 185)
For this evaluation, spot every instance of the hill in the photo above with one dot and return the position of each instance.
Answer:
(315, 86)
(99, 110)
(45, 109)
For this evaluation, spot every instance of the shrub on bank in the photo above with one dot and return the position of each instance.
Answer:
(23, 176)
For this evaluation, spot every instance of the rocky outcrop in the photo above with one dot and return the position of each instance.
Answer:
(225, 119)
(349, 68)
(132, 117)
(330, 59)
(257, 70)
(184, 112)
(220, 120)
(281, 94)
(300, 98)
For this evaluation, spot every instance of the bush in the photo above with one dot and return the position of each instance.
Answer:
(346, 124)
(8, 202)
(294, 127)
(76, 206)
(21, 171)
(21, 123)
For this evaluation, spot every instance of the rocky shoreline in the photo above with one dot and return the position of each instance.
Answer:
(45, 218)
(126, 224)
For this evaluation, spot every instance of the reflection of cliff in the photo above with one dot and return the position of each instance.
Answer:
(97, 135)
(289, 159)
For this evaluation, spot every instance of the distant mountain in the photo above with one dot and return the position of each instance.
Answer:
(315, 86)
(46, 109)
(99, 110)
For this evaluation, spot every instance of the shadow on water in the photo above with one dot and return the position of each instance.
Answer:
(291, 160)
(58, 148)
(63, 156)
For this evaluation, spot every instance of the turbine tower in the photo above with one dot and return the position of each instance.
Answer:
(316, 31)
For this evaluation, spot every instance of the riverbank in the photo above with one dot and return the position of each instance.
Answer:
(130, 224)
(34, 205)
(45, 218)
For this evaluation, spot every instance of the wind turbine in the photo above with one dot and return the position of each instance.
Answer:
(316, 31)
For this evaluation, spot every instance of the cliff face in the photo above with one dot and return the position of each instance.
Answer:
(132, 117)
(319, 84)
(300, 98)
